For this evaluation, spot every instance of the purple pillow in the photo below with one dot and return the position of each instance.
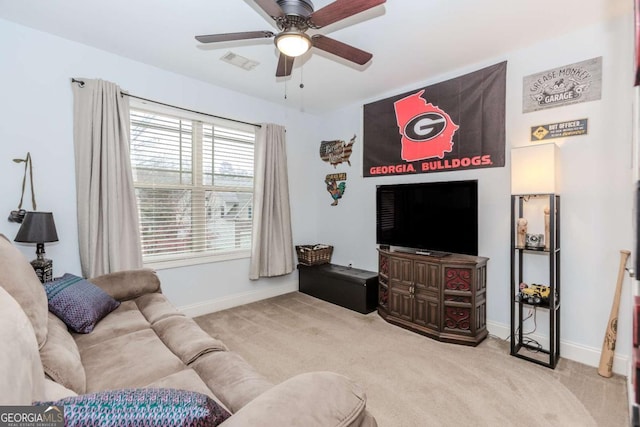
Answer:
(78, 303)
(164, 407)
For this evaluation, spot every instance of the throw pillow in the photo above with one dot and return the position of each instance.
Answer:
(141, 406)
(78, 303)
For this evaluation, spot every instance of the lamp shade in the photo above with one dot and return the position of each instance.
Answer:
(535, 169)
(37, 227)
(293, 43)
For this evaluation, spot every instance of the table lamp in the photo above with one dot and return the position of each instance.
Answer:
(39, 228)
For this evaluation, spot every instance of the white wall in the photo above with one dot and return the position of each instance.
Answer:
(597, 190)
(36, 111)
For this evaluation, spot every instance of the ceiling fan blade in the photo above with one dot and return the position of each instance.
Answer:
(271, 7)
(226, 37)
(285, 65)
(340, 49)
(341, 9)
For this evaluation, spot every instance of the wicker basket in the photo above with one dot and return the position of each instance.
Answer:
(314, 254)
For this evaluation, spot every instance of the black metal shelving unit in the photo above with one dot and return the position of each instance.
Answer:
(545, 356)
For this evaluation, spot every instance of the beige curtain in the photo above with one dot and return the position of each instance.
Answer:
(108, 230)
(272, 243)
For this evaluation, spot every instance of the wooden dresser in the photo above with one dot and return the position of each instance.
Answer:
(441, 297)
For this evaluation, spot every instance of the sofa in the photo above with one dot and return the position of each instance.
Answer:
(146, 343)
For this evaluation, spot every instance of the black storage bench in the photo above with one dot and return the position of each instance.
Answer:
(351, 288)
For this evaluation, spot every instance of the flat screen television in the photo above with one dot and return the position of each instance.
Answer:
(435, 216)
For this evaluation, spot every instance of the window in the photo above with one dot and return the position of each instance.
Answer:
(193, 177)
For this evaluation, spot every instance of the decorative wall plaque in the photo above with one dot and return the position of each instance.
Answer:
(569, 84)
(336, 185)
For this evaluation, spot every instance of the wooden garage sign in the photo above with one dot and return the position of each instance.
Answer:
(569, 84)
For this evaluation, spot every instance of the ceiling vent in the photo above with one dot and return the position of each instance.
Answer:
(239, 61)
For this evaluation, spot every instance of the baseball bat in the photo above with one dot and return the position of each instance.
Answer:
(605, 368)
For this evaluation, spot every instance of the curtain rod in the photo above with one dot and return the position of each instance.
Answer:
(81, 84)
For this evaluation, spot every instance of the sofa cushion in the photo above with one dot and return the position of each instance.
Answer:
(151, 406)
(319, 399)
(131, 360)
(121, 321)
(185, 338)
(55, 391)
(232, 379)
(155, 307)
(21, 375)
(19, 279)
(78, 302)
(128, 284)
(61, 358)
(187, 379)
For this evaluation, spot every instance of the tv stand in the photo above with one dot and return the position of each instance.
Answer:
(441, 297)
(435, 254)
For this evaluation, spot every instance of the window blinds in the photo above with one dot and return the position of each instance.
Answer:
(194, 185)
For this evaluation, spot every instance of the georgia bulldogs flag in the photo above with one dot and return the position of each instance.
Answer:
(452, 125)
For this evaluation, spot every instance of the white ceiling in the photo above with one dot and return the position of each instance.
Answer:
(411, 40)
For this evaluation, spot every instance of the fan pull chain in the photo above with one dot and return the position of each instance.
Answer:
(302, 87)
(285, 79)
(302, 77)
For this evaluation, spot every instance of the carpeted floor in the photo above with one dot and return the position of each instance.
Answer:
(412, 380)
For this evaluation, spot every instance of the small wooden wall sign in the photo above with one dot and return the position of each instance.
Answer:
(560, 130)
(336, 185)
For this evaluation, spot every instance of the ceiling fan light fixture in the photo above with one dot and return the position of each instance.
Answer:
(293, 43)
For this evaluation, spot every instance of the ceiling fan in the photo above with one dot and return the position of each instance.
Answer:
(294, 18)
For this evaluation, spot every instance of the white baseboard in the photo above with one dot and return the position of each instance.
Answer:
(223, 303)
(630, 391)
(569, 350)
